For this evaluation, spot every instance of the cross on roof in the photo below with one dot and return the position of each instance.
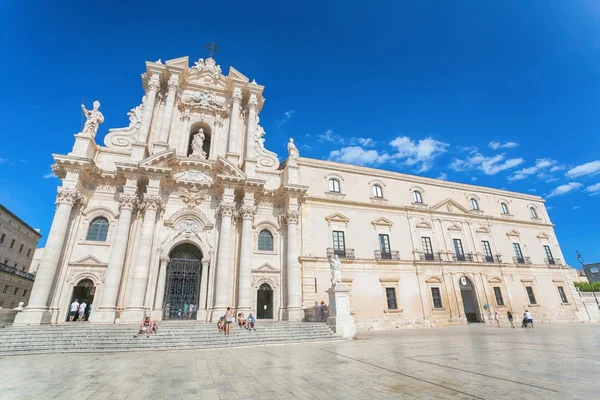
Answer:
(212, 47)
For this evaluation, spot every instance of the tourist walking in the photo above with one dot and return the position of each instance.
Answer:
(322, 307)
(82, 307)
(228, 319)
(528, 319)
(74, 310)
(497, 318)
(510, 318)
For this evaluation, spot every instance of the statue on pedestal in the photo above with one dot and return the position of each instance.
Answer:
(197, 144)
(293, 152)
(93, 119)
(336, 270)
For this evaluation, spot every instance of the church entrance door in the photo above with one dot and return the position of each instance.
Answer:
(182, 291)
(83, 292)
(467, 292)
(264, 302)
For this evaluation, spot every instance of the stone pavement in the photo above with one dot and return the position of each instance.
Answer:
(469, 362)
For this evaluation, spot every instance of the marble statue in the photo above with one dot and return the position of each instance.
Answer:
(197, 143)
(336, 270)
(293, 152)
(93, 119)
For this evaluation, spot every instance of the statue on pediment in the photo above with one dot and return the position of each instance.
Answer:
(293, 152)
(197, 143)
(93, 119)
(336, 270)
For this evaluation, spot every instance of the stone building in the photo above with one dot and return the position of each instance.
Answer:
(18, 242)
(186, 206)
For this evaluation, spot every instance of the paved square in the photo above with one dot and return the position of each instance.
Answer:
(471, 362)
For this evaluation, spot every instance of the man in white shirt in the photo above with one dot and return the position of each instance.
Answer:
(82, 307)
(74, 309)
(529, 318)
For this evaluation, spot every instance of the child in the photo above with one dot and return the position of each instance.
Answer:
(250, 322)
(220, 324)
(154, 327)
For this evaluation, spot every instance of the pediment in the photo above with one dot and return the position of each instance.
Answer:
(235, 75)
(433, 279)
(450, 205)
(455, 227)
(227, 168)
(423, 225)
(163, 159)
(495, 279)
(187, 220)
(337, 217)
(266, 268)
(543, 235)
(181, 62)
(382, 222)
(513, 232)
(89, 261)
(482, 229)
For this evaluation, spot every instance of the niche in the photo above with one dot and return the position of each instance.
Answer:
(199, 141)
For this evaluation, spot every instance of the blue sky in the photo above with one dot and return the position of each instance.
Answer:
(499, 94)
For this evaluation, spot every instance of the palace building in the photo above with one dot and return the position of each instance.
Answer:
(185, 212)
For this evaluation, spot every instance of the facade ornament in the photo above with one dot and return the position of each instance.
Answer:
(189, 227)
(152, 202)
(246, 212)
(291, 217)
(293, 152)
(192, 176)
(205, 263)
(122, 138)
(68, 196)
(197, 143)
(154, 86)
(159, 61)
(191, 197)
(226, 209)
(93, 119)
(173, 85)
(208, 65)
(127, 201)
(164, 261)
(185, 115)
(252, 104)
(335, 266)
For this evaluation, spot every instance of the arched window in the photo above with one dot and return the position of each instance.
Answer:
(474, 204)
(417, 197)
(265, 240)
(533, 212)
(504, 208)
(98, 230)
(334, 185)
(377, 191)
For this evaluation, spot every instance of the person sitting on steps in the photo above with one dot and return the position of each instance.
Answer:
(241, 320)
(250, 323)
(144, 327)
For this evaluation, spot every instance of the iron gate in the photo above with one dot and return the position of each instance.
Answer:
(182, 287)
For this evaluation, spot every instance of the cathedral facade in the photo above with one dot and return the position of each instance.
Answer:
(185, 212)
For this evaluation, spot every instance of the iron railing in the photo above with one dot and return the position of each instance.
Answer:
(341, 253)
(387, 255)
(463, 257)
(429, 256)
(15, 271)
(522, 260)
(553, 261)
(493, 259)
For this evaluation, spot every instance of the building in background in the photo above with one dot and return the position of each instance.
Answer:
(186, 206)
(18, 242)
(592, 271)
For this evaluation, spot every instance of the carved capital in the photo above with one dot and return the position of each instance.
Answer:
(152, 202)
(226, 209)
(291, 217)
(237, 98)
(67, 196)
(154, 86)
(164, 261)
(205, 263)
(127, 201)
(173, 86)
(246, 212)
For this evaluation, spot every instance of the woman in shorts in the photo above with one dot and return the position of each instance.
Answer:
(144, 327)
(228, 320)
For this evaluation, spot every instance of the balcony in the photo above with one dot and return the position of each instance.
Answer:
(463, 257)
(493, 259)
(429, 256)
(522, 260)
(341, 253)
(553, 261)
(387, 255)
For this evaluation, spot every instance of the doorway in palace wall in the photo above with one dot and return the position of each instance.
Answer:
(83, 292)
(182, 285)
(467, 292)
(264, 302)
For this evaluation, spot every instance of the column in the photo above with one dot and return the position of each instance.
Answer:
(135, 308)
(37, 309)
(157, 313)
(294, 275)
(245, 282)
(106, 312)
(201, 314)
(225, 211)
(252, 104)
(165, 126)
(233, 120)
(153, 87)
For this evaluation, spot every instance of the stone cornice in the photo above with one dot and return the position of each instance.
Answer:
(348, 168)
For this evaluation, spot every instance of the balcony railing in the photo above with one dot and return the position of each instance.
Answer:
(341, 253)
(553, 261)
(429, 256)
(522, 260)
(11, 270)
(387, 255)
(462, 257)
(493, 259)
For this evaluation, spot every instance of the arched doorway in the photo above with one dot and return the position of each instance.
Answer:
(84, 291)
(467, 292)
(264, 302)
(182, 285)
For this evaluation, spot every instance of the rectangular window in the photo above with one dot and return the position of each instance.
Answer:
(518, 254)
(427, 249)
(16, 264)
(594, 270)
(563, 295)
(549, 254)
(460, 254)
(436, 295)
(16, 291)
(487, 251)
(21, 249)
(28, 252)
(5, 289)
(339, 243)
(384, 246)
(390, 294)
(530, 295)
(334, 185)
(6, 261)
(12, 243)
(498, 294)
(2, 238)
(24, 292)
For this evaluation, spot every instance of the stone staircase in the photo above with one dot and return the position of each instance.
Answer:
(172, 335)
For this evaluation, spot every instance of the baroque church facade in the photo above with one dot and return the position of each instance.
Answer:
(185, 212)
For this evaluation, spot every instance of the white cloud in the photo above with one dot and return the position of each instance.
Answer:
(575, 208)
(358, 155)
(443, 176)
(541, 165)
(532, 190)
(593, 189)
(507, 145)
(422, 152)
(366, 142)
(564, 189)
(489, 165)
(3, 160)
(329, 136)
(589, 168)
(49, 175)
(549, 208)
(557, 168)
(473, 178)
(286, 117)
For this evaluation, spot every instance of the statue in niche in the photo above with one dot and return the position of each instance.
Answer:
(336, 270)
(93, 119)
(197, 143)
(293, 152)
